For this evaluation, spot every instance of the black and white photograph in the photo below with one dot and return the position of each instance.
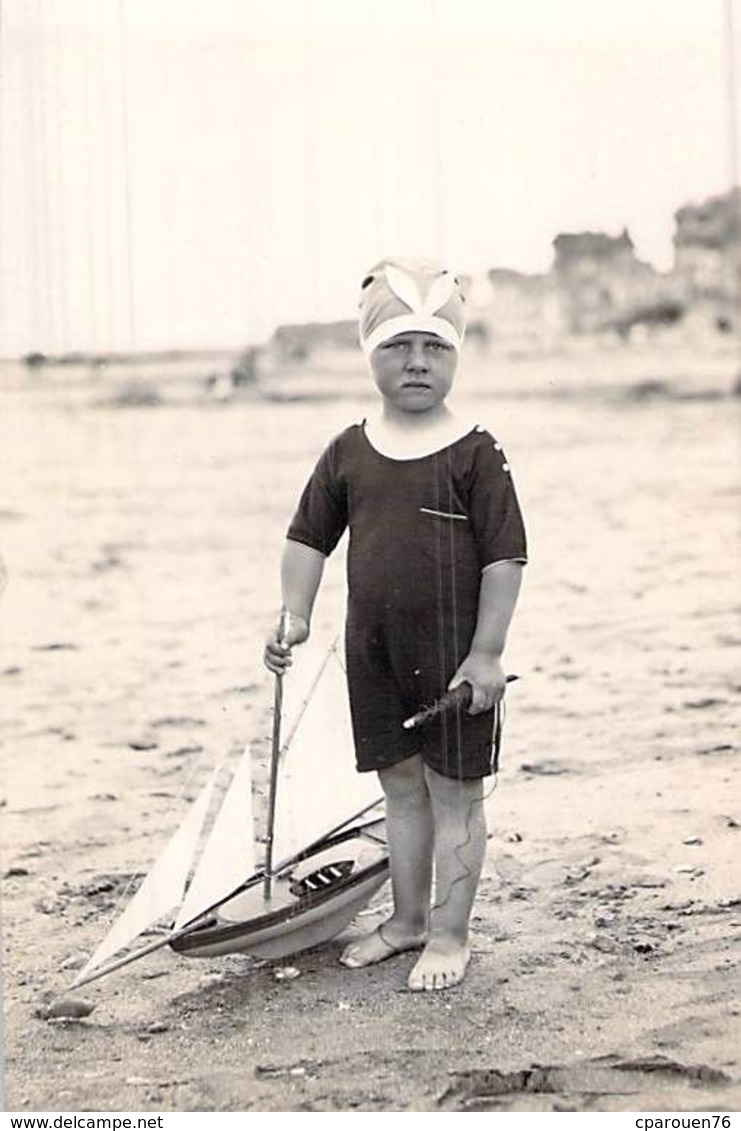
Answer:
(370, 544)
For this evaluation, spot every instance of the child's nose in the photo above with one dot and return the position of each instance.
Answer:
(417, 358)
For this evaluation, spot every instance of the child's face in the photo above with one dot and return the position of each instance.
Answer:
(414, 372)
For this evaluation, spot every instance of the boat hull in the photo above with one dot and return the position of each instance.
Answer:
(310, 903)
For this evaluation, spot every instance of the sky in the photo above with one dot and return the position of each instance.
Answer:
(190, 173)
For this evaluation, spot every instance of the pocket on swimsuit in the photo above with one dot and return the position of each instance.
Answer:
(446, 537)
(444, 514)
(450, 573)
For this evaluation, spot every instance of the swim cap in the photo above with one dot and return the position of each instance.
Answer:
(401, 296)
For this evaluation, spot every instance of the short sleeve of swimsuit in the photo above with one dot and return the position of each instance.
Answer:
(493, 507)
(321, 517)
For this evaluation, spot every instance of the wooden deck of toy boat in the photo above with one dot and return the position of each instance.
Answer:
(309, 904)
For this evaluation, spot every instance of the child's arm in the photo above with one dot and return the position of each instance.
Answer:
(301, 573)
(482, 667)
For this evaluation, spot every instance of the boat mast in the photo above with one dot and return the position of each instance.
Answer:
(274, 760)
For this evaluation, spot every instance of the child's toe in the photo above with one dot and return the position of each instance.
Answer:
(439, 971)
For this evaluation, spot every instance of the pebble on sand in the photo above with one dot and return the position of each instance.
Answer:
(286, 973)
(65, 1009)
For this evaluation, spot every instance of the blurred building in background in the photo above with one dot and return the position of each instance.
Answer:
(707, 256)
(596, 285)
(600, 280)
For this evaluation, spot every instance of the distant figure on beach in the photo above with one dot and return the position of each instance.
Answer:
(435, 557)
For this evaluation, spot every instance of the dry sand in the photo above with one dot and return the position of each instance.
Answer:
(142, 548)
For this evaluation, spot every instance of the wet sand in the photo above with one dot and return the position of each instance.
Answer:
(142, 547)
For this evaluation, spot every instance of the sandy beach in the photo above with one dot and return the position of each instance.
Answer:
(142, 545)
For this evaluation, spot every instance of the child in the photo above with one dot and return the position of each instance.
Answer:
(435, 560)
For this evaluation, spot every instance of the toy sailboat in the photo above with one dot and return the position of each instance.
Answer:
(326, 852)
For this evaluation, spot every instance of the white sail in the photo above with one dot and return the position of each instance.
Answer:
(228, 858)
(318, 785)
(318, 791)
(163, 888)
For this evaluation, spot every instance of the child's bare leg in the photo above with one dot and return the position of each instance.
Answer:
(460, 846)
(409, 832)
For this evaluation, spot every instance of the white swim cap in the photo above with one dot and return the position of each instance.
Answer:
(410, 295)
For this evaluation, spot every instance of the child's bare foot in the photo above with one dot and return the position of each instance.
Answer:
(441, 965)
(386, 941)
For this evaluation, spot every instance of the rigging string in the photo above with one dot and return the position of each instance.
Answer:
(500, 709)
(438, 174)
(59, 163)
(476, 803)
(456, 701)
(457, 721)
(87, 129)
(731, 44)
(445, 563)
(379, 83)
(98, 205)
(311, 174)
(454, 590)
(38, 114)
(243, 59)
(731, 93)
(127, 178)
(203, 759)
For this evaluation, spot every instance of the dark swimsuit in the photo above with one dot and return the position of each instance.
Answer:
(421, 531)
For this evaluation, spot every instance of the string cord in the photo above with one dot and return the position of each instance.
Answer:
(459, 849)
(446, 549)
(466, 871)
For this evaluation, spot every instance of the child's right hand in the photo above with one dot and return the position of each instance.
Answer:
(277, 654)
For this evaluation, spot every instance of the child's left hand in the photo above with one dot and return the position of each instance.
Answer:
(485, 674)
